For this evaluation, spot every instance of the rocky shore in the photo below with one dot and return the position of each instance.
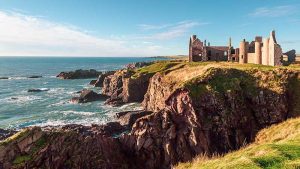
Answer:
(79, 74)
(188, 109)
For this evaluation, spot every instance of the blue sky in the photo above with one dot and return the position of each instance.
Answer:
(139, 27)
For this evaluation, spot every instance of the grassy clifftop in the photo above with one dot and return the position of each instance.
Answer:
(275, 147)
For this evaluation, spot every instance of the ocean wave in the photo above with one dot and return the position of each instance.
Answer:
(62, 91)
(84, 122)
(63, 102)
(68, 112)
(17, 78)
(20, 99)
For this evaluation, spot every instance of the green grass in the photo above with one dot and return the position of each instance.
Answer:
(161, 66)
(21, 134)
(275, 147)
(222, 80)
(21, 159)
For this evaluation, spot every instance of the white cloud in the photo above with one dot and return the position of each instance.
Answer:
(276, 11)
(172, 30)
(153, 27)
(34, 36)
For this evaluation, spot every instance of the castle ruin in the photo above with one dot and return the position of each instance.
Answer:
(260, 51)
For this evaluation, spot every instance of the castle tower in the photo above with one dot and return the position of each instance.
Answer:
(243, 52)
(192, 38)
(265, 52)
(229, 51)
(257, 52)
(275, 51)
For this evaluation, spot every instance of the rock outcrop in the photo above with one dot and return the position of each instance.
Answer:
(123, 88)
(157, 92)
(79, 74)
(4, 78)
(128, 118)
(37, 90)
(100, 80)
(67, 147)
(88, 96)
(215, 113)
(34, 77)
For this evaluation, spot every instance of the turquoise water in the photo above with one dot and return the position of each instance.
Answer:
(18, 108)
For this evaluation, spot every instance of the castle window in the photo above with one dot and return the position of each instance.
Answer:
(209, 53)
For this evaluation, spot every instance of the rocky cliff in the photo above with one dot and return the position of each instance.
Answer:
(197, 109)
(216, 112)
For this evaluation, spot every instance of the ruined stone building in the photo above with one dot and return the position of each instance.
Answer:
(199, 51)
(260, 51)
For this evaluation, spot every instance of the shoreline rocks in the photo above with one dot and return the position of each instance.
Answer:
(79, 74)
(4, 78)
(88, 96)
(34, 77)
(37, 90)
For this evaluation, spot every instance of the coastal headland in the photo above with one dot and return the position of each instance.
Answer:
(189, 109)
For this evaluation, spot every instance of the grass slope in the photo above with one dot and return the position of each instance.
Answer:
(275, 147)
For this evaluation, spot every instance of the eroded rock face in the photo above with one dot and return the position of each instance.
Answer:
(128, 118)
(217, 120)
(79, 74)
(72, 146)
(122, 88)
(100, 80)
(157, 93)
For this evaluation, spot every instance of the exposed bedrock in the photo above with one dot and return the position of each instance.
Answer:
(122, 88)
(100, 79)
(128, 118)
(79, 74)
(68, 147)
(215, 119)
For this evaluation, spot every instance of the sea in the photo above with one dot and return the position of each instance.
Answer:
(19, 108)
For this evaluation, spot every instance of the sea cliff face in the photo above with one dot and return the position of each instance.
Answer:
(214, 113)
(196, 109)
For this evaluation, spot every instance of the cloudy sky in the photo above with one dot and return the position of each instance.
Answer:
(139, 27)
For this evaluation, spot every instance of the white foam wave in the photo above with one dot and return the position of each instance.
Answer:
(68, 112)
(20, 99)
(63, 102)
(17, 78)
(84, 122)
